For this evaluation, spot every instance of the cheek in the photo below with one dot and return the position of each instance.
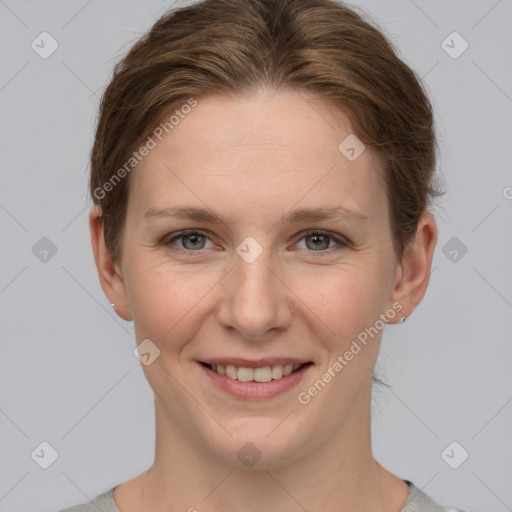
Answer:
(151, 289)
(350, 297)
(166, 300)
(347, 305)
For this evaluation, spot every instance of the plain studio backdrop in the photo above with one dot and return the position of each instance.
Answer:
(68, 375)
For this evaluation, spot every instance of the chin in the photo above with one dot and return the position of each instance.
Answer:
(257, 445)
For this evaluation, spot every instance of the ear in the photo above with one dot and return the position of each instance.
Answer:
(413, 272)
(110, 275)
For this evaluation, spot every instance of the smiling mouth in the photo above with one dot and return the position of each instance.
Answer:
(262, 374)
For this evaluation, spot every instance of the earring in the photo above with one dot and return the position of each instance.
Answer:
(402, 320)
(116, 309)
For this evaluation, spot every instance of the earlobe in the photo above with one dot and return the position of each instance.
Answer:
(413, 274)
(109, 273)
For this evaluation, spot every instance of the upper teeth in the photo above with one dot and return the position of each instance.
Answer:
(263, 374)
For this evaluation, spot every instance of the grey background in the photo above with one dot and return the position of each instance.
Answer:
(68, 375)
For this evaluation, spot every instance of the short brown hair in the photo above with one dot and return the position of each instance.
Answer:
(230, 47)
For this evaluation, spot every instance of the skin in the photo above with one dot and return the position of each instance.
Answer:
(253, 159)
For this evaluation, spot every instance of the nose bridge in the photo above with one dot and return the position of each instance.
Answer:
(254, 299)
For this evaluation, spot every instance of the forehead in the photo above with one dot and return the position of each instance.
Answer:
(269, 148)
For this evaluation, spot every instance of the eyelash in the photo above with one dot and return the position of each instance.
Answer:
(342, 243)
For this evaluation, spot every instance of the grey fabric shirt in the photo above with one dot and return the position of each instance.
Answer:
(417, 501)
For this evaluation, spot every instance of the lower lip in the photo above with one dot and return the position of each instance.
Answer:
(253, 389)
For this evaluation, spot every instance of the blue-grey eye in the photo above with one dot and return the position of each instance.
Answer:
(319, 241)
(195, 241)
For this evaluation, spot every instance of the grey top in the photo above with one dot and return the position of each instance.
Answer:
(417, 501)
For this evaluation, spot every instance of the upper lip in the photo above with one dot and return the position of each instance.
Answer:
(258, 363)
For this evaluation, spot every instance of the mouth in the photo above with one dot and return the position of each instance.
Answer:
(264, 373)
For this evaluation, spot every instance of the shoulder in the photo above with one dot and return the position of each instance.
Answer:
(104, 502)
(418, 501)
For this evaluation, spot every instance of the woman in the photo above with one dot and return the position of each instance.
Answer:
(261, 173)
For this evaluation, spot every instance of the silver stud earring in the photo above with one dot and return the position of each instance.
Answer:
(402, 320)
(116, 309)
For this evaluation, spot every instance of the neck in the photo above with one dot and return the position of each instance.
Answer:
(337, 475)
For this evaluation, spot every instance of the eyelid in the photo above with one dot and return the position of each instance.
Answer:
(342, 242)
(339, 239)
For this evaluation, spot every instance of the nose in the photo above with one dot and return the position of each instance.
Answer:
(255, 300)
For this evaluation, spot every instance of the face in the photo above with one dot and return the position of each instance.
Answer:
(294, 261)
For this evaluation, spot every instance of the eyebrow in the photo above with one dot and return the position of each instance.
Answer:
(293, 217)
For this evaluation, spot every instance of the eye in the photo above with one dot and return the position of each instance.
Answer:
(319, 241)
(191, 240)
